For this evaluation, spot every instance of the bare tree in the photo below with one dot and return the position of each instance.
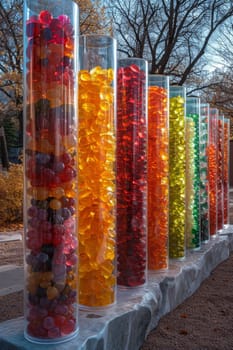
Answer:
(93, 17)
(11, 51)
(219, 85)
(173, 35)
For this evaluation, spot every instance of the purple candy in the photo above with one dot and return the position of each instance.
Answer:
(54, 332)
(32, 211)
(48, 322)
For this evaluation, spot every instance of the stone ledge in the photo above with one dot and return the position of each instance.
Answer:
(138, 311)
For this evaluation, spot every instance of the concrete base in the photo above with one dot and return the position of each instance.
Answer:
(125, 325)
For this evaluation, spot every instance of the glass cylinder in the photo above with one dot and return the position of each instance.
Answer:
(177, 172)
(192, 223)
(226, 157)
(158, 171)
(97, 174)
(132, 172)
(50, 167)
(212, 171)
(204, 184)
(220, 159)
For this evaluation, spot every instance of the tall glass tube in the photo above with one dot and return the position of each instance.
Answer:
(132, 172)
(177, 172)
(158, 171)
(192, 225)
(97, 175)
(204, 183)
(50, 167)
(212, 172)
(220, 160)
(226, 155)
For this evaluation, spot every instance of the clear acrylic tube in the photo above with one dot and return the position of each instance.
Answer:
(226, 153)
(177, 172)
(50, 164)
(132, 172)
(97, 173)
(220, 160)
(192, 225)
(158, 171)
(212, 171)
(204, 183)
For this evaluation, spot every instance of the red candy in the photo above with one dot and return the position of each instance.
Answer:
(68, 326)
(59, 320)
(64, 19)
(131, 176)
(45, 17)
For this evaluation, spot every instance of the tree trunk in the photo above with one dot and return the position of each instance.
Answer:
(3, 149)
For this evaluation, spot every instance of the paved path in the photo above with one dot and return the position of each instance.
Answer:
(11, 263)
(11, 236)
(11, 279)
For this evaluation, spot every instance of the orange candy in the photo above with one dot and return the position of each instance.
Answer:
(52, 293)
(40, 193)
(96, 188)
(55, 204)
(57, 192)
(157, 178)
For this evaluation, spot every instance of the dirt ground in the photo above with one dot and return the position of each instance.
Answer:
(202, 322)
(11, 305)
(205, 320)
(11, 253)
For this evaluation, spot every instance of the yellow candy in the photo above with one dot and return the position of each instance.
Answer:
(84, 75)
(177, 178)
